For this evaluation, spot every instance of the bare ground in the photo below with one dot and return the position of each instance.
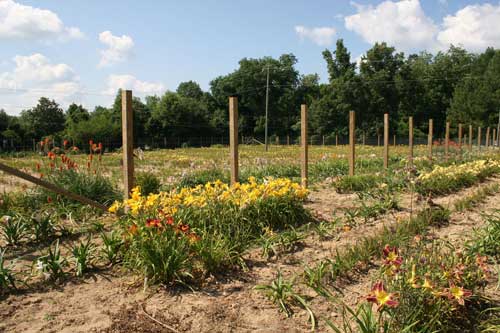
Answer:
(114, 301)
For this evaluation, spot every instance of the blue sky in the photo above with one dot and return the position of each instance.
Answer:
(84, 50)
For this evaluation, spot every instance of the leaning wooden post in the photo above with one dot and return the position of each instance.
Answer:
(352, 143)
(471, 133)
(429, 138)
(487, 144)
(233, 138)
(386, 140)
(303, 136)
(460, 138)
(479, 138)
(127, 143)
(447, 141)
(410, 140)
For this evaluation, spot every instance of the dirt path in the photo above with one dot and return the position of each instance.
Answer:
(109, 303)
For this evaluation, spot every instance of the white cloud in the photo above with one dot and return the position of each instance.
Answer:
(35, 76)
(403, 24)
(25, 22)
(474, 27)
(130, 82)
(118, 49)
(323, 36)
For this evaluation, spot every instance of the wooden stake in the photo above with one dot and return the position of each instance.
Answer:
(410, 140)
(352, 142)
(471, 133)
(386, 140)
(127, 143)
(479, 138)
(460, 137)
(447, 141)
(233, 139)
(303, 136)
(429, 138)
(487, 137)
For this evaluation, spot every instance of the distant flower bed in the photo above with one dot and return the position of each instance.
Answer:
(442, 180)
(184, 234)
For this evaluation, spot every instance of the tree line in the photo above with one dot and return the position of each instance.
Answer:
(455, 85)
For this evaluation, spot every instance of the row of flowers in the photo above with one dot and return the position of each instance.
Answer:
(445, 179)
(240, 195)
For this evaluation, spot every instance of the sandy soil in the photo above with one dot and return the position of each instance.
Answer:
(114, 301)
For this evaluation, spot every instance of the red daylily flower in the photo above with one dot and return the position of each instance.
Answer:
(381, 297)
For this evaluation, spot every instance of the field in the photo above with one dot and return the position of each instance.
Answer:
(413, 248)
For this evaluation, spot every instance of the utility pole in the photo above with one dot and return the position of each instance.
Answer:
(267, 108)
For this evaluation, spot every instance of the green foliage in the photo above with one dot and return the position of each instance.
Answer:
(486, 241)
(7, 277)
(148, 182)
(82, 256)
(14, 229)
(162, 257)
(356, 183)
(52, 265)
(281, 292)
(111, 248)
(43, 227)
(202, 177)
(93, 186)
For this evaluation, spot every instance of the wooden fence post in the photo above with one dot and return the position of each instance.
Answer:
(288, 140)
(479, 138)
(429, 138)
(336, 140)
(487, 137)
(460, 137)
(494, 143)
(386, 140)
(323, 140)
(352, 142)
(277, 140)
(378, 140)
(471, 133)
(447, 141)
(394, 140)
(127, 143)
(233, 139)
(410, 140)
(303, 136)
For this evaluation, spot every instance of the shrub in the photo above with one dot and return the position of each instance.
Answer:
(148, 182)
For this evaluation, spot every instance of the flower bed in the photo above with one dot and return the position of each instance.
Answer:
(185, 234)
(443, 180)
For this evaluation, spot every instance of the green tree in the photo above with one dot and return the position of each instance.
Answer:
(46, 118)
